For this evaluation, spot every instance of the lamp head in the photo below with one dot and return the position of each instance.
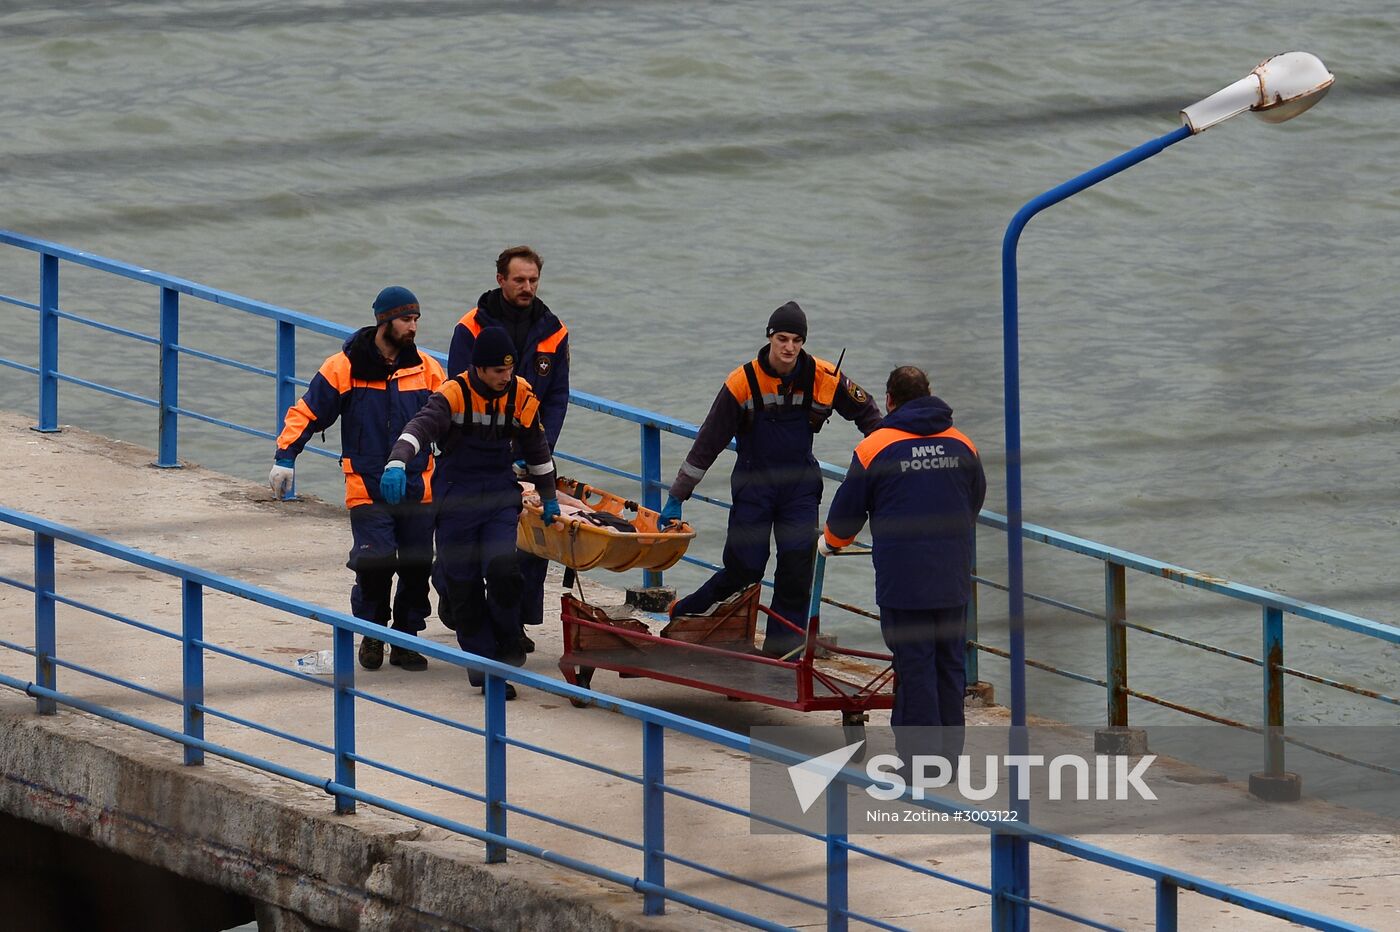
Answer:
(1279, 89)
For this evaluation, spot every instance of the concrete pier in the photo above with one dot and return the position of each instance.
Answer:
(279, 842)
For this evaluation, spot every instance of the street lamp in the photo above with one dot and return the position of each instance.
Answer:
(1279, 89)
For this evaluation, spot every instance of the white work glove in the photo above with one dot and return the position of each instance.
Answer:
(280, 478)
(824, 548)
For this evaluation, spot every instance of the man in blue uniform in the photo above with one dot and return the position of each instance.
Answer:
(774, 405)
(542, 342)
(377, 383)
(920, 482)
(479, 418)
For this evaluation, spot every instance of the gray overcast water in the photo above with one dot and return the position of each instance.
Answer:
(1208, 341)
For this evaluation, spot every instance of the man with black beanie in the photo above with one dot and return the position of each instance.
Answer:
(480, 418)
(774, 405)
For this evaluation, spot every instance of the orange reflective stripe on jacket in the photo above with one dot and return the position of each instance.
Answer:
(471, 323)
(550, 344)
(878, 440)
(336, 371)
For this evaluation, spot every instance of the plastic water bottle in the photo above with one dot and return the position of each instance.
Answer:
(316, 663)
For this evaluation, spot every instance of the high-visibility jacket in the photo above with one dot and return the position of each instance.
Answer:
(542, 360)
(773, 418)
(920, 482)
(479, 432)
(373, 401)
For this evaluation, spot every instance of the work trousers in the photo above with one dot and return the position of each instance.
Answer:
(476, 550)
(787, 514)
(390, 539)
(929, 648)
(532, 573)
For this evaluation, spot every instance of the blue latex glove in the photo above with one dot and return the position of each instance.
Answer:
(392, 484)
(522, 469)
(670, 512)
(551, 511)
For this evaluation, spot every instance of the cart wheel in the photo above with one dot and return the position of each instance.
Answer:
(853, 730)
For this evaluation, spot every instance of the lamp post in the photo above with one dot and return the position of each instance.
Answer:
(1279, 89)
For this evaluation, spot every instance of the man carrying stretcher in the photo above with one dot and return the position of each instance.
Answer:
(474, 418)
(773, 405)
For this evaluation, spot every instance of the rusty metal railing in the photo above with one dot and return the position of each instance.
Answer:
(1274, 781)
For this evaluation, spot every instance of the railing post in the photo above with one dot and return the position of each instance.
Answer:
(48, 344)
(1166, 905)
(1273, 689)
(169, 455)
(193, 661)
(1116, 642)
(970, 673)
(837, 854)
(653, 816)
(651, 484)
(286, 378)
(45, 637)
(495, 728)
(1010, 863)
(1274, 784)
(1116, 737)
(343, 658)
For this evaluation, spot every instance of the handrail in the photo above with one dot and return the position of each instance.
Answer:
(651, 425)
(656, 724)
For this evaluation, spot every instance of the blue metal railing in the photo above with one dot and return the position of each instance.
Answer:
(651, 426)
(655, 725)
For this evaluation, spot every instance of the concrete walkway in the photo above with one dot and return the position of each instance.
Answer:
(233, 527)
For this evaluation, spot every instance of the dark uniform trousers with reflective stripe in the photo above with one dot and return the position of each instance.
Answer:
(780, 501)
(476, 526)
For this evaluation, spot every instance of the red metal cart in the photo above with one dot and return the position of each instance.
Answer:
(717, 653)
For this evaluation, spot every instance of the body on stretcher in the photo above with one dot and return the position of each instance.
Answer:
(598, 530)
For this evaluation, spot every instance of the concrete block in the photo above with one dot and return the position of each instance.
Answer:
(979, 695)
(1117, 739)
(1283, 787)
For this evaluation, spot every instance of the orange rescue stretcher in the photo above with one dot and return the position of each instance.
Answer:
(716, 652)
(596, 533)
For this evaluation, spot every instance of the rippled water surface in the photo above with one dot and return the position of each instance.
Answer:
(1208, 342)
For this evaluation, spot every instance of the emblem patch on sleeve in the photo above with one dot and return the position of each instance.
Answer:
(543, 363)
(856, 392)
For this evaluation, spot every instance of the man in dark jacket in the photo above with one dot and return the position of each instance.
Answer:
(920, 482)
(542, 344)
(480, 418)
(376, 384)
(773, 405)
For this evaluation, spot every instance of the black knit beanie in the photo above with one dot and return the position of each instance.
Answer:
(493, 348)
(788, 319)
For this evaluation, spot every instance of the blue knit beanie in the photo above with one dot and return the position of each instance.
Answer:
(493, 348)
(394, 302)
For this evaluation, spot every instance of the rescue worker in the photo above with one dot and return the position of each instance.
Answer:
(920, 482)
(773, 405)
(376, 383)
(477, 418)
(543, 361)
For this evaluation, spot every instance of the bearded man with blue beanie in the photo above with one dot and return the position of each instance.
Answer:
(377, 383)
